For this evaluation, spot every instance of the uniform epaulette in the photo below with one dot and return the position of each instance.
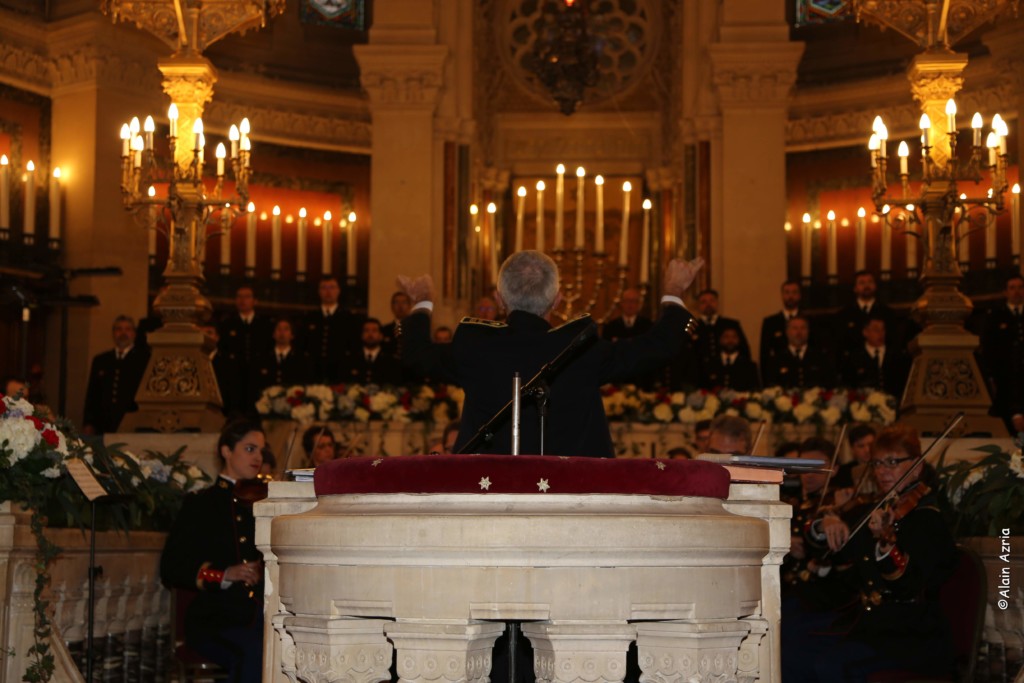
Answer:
(482, 321)
(574, 321)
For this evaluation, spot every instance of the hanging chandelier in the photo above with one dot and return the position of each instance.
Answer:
(565, 54)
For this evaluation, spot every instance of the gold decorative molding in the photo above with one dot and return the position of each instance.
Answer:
(936, 77)
(313, 130)
(402, 76)
(933, 24)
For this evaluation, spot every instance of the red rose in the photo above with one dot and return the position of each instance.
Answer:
(39, 424)
(51, 437)
(3, 406)
(294, 401)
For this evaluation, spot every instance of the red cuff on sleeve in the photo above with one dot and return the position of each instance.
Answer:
(209, 577)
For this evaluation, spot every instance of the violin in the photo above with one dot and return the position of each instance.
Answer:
(897, 508)
(250, 491)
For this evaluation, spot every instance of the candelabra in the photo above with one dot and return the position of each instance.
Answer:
(179, 373)
(944, 375)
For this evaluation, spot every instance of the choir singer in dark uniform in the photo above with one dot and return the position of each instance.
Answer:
(211, 549)
(484, 355)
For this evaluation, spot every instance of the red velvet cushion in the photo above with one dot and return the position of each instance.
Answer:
(521, 474)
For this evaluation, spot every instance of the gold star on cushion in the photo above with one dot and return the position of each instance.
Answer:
(485, 483)
(377, 461)
(543, 486)
(660, 465)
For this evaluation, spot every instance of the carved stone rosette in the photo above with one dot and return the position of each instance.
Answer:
(340, 649)
(569, 653)
(691, 652)
(444, 652)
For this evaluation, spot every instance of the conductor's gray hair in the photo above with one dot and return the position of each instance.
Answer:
(528, 281)
(734, 427)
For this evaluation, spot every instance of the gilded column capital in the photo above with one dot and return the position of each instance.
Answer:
(935, 77)
(754, 74)
(402, 76)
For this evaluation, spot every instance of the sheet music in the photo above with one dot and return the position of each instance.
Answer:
(86, 480)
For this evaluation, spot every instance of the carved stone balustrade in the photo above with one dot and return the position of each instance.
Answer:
(376, 565)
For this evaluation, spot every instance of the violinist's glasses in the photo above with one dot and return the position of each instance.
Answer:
(889, 463)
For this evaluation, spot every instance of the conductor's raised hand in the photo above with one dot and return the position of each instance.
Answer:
(680, 275)
(417, 289)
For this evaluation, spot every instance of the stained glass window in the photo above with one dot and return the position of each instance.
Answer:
(822, 11)
(350, 14)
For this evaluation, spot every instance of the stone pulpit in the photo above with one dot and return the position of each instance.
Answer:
(422, 559)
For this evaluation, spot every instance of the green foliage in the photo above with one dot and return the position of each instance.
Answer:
(983, 497)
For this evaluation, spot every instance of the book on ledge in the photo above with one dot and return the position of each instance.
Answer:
(305, 474)
(761, 469)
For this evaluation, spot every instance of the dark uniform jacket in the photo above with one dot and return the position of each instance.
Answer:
(226, 371)
(814, 369)
(268, 372)
(385, 370)
(740, 375)
(214, 530)
(616, 328)
(849, 324)
(862, 371)
(245, 342)
(773, 334)
(327, 339)
(484, 355)
(112, 387)
(1002, 345)
(391, 341)
(705, 338)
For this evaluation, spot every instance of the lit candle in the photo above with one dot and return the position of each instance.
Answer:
(805, 247)
(951, 115)
(275, 242)
(580, 184)
(540, 215)
(833, 256)
(493, 232)
(883, 138)
(992, 142)
(478, 238)
(134, 126)
(233, 136)
(151, 192)
(300, 249)
(976, 129)
(645, 243)
(520, 216)
(911, 243)
(627, 188)
(990, 238)
(873, 145)
(148, 127)
(926, 129)
(1001, 130)
(328, 261)
(55, 205)
(30, 198)
(351, 266)
(599, 216)
(903, 151)
(250, 237)
(886, 241)
(559, 207)
(172, 120)
(126, 140)
(1015, 236)
(861, 239)
(243, 131)
(5, 192)
(221, 153)
(197, 135)
(137, 145)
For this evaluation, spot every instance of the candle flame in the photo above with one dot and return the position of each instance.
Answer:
(861, 212)
(992, 140)
(904, 150)
(246, 145)
(473, 209)
(197, 127)
(1016, 188)
(950, 107)
(521, 191)
(289, 219)
(580, 172)
(627, 186)
(540, 186)
(263, 215)
(883, 133)
(126, 132)
(3, 160)
(925, 122)
(477, 228)
(886, 209)
(560, 169)
(806, 218)
(243, 127)
(787, 226)
(1000, 126)
(817, 225)
(599, 180)
(56, 172)
(221, 152)
(963, 195)
(277, 210)
(831, 215)
(302, 212)
(327, 215)
(877, 124)
(492, 207)
(233, 133)
(151, 191)
(647, 205)
(172, 112)
(910, 207)
(351, 216)
(845, 222)
(873, 142)
(251, 207)
(149, 126)
(30, 166)
(134, 125)
(976, 120)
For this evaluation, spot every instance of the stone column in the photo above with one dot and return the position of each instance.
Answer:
(336, 649)
(704, 651)
(753, 70)
(402, 79)
(570, 653)
(448, 652)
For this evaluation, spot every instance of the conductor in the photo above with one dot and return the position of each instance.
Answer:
(484, 354)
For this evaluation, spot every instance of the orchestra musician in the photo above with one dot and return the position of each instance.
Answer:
(899, 560)
(211, 549)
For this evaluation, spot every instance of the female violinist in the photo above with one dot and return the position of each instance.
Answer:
(900, 560)
(211, 548)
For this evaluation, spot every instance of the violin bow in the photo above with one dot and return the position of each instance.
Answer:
(831, 469)
(288, 454)
(757, 438)
(906, 475)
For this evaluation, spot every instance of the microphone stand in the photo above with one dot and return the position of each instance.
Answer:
(537, 387)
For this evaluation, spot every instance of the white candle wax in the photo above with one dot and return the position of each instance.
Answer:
(5, 192)
(599, 215)
(886, 244)
(492, 231)
(805, 248)
(30, 199)
(520, 217)
(580, 186)
(55, 205)
(990, 239)
(327, 260)
(560, 207)
(624, 236)
(861, 239)
(645, 243)
(350, 269)
(275, 242)
(1015, 236)
(225, 239)
(300, 249)
(250, 238)
(833, 238)
(540, 215)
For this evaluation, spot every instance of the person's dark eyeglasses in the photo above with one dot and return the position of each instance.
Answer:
(889, 463)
